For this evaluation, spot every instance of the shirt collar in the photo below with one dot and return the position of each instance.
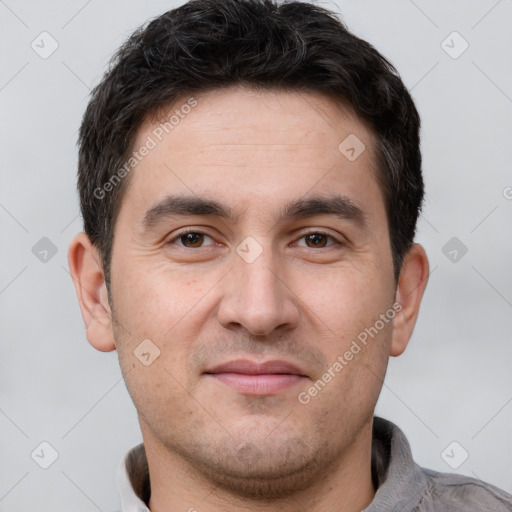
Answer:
(133, 480)
(399, 480)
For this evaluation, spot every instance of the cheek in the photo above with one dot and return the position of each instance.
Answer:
(161, 397)
(158, 320)
(347, 306)
(345, 299)
(169, 307)
(153, 299)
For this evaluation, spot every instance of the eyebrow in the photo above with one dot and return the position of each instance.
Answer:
(174, 206)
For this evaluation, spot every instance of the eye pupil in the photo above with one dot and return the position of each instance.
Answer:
(192, 239)
(316, 238)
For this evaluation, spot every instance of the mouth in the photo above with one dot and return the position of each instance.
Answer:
(253, 378)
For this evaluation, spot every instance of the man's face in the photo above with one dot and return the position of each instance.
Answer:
(255, 285)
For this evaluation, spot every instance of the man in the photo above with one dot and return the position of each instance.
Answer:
(250, 181)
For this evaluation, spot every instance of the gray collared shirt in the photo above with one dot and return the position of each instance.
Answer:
(402, 485)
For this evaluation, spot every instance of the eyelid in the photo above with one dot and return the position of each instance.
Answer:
(337, 240)
(186, 231)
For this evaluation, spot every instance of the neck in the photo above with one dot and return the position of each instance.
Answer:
(345, 486)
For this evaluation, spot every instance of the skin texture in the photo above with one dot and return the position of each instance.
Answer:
(210, 446)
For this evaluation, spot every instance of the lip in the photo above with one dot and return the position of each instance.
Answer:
(246, 366)
(257, 378)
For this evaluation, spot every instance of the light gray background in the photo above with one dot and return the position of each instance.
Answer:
(454, 383)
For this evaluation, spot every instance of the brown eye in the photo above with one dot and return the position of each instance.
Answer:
(318, 240)
(191, 239)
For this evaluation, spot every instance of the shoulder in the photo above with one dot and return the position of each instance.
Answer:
(405, 486)
(459, 493)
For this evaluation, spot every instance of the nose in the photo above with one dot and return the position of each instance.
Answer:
(258, 297)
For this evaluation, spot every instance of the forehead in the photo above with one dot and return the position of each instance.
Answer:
(259, 146)
(273, 116)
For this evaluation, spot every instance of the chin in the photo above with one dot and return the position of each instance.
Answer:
(259, 471)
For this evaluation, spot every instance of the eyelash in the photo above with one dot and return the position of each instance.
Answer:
(197, 232)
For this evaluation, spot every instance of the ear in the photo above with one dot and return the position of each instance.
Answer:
(89, 280)
(411, 285)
